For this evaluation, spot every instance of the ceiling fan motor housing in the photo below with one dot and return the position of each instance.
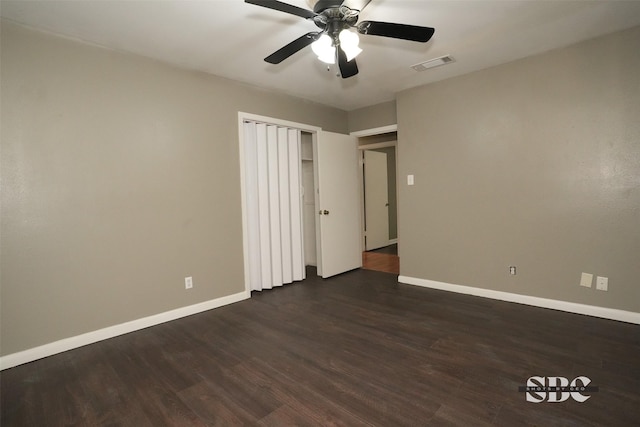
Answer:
(333, 17)
(322, 5)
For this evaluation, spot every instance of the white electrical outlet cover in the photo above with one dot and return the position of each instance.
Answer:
(602, 283)
(586, 280)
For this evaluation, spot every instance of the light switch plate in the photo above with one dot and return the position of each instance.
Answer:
(410, 180)
(602, 283)
(586, 280)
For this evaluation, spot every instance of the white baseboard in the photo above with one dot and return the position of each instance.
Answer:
(56, 347)
(571, 307)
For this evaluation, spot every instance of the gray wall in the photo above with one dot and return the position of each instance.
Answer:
(535, 164)
(120, 176)
(372, 117)
(375, 139)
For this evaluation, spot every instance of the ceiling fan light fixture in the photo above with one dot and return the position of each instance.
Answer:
(334, 43)
(349, 43)
(324, 49)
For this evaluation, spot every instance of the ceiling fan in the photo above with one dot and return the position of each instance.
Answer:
(334, 42)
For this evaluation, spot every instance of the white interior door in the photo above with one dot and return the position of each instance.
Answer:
(338, 206)
(376, 203)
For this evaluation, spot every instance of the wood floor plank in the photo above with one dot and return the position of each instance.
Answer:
(309, 399)
(213, 406)
(388, 263)
(288, 416)
(356, 349)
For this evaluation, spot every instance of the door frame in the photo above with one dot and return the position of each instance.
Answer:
(373, 132)
(242, 116)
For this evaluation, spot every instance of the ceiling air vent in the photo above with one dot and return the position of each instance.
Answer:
(435, 62)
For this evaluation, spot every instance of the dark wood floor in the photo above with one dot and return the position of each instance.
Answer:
(358, 349)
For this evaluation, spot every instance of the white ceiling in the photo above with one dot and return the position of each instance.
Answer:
(230, 38)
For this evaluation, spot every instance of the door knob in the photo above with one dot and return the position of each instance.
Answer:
(324, 212)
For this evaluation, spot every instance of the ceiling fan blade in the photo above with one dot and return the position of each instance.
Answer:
(283, 53)
(283, 7)
(356, 4)
(347, 68)
(397, 31)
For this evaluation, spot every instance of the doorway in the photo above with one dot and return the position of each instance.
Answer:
(379, 198)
